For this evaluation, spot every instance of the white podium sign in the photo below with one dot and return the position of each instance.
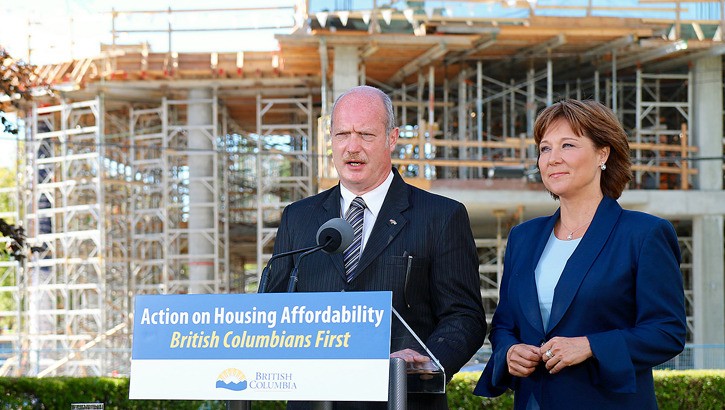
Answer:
(284, 346)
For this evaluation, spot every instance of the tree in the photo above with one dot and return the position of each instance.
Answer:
(18, 81)
(7, 278)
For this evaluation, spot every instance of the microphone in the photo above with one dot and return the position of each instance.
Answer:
(334, 236)
(262, 288)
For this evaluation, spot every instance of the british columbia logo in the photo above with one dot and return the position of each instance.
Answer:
(234, 379)
(231, 379)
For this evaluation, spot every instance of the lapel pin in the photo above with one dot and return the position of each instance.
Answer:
(392, 222)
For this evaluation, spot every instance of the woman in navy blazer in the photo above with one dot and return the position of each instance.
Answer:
(591, 297)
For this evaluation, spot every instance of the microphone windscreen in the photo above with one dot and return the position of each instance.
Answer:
(338, 232)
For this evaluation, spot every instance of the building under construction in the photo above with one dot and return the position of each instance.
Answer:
(148, 172)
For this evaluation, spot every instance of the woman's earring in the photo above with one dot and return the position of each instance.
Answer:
(603, 166)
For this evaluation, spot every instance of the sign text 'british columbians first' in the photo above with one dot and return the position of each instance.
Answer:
(283, 346)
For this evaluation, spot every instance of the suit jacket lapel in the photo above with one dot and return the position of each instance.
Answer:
(388, 224)
(583, 257)
(529, 295)
(332, 210)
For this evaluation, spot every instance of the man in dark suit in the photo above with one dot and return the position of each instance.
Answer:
(411, 242)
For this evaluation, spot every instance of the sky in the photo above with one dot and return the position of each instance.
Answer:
(50, 31)
(58, 30)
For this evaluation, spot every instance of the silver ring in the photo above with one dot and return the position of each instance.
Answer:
(549, 354)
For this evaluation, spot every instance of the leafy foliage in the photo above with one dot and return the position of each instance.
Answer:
(460, 394)
(7, 126)
(7, 204)
(16, 78)
(696, 389)
(682, 390)
(685, 390)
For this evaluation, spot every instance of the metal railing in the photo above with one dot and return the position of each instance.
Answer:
(694, 356)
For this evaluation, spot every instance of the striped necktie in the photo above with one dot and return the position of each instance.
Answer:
(355, 216)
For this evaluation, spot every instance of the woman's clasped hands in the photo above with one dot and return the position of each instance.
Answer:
(556, 354)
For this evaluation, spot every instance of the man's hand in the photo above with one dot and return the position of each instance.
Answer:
(415, 362)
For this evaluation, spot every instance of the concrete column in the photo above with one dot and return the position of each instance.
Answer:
(324, 62)
(596, 86)
(708, 243)
(201, 183)
(462, 121)
(707, 125)
(530, 102)
(549, 82)
(346, 69)
(708, 291)
(420, 108)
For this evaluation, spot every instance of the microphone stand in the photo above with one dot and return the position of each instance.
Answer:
(262, 288)
(292, 287)
(264, 278)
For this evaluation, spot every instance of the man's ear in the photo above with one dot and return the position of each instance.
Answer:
(393, 138)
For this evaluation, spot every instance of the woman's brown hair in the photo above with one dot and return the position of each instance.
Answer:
(593, 120)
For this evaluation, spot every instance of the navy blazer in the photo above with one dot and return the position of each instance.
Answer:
(438, 295)
(621, 288)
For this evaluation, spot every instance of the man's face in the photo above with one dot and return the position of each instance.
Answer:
(360, 148)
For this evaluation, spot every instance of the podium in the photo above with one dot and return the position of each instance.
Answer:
(293, 347)
(404, 378)
(426, 377)
(397, 391)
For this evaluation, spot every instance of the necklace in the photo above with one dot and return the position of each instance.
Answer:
(571, 232)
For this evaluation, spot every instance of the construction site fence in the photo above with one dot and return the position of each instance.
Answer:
(694, 356)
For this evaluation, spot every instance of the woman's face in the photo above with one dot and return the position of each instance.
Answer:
(570, 164)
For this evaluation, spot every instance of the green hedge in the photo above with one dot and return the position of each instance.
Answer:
(681, 389)
(689, 389)
(692, 389)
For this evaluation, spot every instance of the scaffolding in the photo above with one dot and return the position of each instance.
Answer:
(144, 167)
(11, 272)
(66, 216)
(285, 164)
(168, 173)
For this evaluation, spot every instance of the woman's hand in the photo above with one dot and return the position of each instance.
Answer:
(560, 352)
(522, 359)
